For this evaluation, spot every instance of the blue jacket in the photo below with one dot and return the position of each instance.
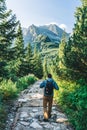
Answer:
(43, 84)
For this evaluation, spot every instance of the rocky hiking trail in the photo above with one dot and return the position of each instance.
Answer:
(27, 112)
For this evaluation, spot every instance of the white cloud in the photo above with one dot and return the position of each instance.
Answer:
(63, 26)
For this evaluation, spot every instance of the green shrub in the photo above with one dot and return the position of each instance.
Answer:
(79, 102)
(7, 89)
(73, 100)
(25, 81)
(3, 116)
(1, 97)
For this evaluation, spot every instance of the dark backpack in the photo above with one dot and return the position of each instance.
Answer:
(49, 88)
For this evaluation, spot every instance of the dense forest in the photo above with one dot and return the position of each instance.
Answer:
(21, 66)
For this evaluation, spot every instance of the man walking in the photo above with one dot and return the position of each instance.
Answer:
(49, 84)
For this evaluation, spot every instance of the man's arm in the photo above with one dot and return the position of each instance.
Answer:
(42, 84)
(55, 85)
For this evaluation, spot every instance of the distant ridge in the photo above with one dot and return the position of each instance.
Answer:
(34, 33)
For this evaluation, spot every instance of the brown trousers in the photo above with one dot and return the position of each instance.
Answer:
(47, 106)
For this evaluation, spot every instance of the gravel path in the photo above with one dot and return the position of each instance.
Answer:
(27, 113)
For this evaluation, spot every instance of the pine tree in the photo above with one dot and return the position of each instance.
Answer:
(7, 30)
(84, 2)
(8, 26)
(29, 53)
(37, 67)
(20, 52)
(35, 50)
(61, 51)
(19, 43)
(76, 49)
(28, 59)
(45, 70)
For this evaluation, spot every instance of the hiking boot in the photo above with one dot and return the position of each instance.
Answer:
(49, 116)
(45, 120)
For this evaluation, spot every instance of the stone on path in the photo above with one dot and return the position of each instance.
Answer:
(36, 125)
(61, 120)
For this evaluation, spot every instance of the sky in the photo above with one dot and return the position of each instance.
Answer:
(43, 12)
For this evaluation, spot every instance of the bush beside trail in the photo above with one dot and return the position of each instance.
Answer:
(9, 91)
(72, 98)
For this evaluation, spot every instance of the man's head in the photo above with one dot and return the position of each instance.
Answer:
(49, 76)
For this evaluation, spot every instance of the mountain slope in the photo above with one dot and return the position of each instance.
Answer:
(33, 33)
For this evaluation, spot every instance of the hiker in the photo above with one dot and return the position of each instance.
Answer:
(49, 84)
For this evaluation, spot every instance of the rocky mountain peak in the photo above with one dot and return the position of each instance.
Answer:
(52, 31)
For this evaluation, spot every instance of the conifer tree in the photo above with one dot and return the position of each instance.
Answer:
(45, 70)
(35, 50)
(29, 53)
(84, 2)
(28, 58)
(37, 67)
(8, 26)
(76, 49)
(61, 51)
(19, 43)
(7, 29)
(20, 52)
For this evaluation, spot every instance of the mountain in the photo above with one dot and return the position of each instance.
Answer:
(49, 33)
(47, 39)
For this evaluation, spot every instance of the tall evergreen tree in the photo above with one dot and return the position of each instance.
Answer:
(58, 64)
(7, 29)
(19, 43)
(29, 58)
(29, 53)
(37, 67)
(8, 26)
(84, 2)
(76, 49)
(35, 50)
(45, 69)
(61, 51)
(20, 52)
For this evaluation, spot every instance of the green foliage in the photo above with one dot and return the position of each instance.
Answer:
(78, 100)
(84, 2)
(20, 53)
(27, 63)
(61, 50)
(72, 72)
(29, 53)
(44, 46)
(25, 81)
(1, 98)
(43, 38)
(75, 51)
(8, 89)
(3, 115)
(36, 63)
(72, 98)
(8, 26)
(19, 43)
(13, 68)
(45, 69)
(3, 71)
